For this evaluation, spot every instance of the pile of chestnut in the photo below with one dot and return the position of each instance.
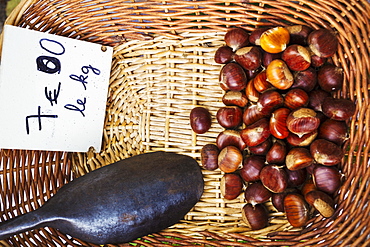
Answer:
(283, 129)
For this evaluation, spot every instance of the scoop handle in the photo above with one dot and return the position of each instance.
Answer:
(21, 223)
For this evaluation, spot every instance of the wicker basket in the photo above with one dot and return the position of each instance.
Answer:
(162, 68)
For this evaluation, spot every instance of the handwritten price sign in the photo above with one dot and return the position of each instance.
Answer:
(53, 91)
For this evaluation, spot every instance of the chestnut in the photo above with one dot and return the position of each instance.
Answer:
(327, 178)
(299, 34)
(251, 92)
(255, 35)
(267, 58)
(256, 193)
(275, 40)
(296, 209)
(316, 99)
(297, 57)
(338, 109)
(330, 78)
(260, 82)
(252, 114)
(256, 217)
(200, 120)
(302, 121)
(231, 186)
(269, 100)
(279, 75)
(252, 73)
(301, 141)
(229, 117)
(296, 98)
(317, 61)
(334, 131)
(230, 138)
(261, 149)
(232, 77)
(252, 166)
(278, 125)
(305, 79)
(298, 158)
(230, 159)
(308, 186)
(323, 42)
(321, 201)
(236, 38)
(277, 153)
(209, 156)
(237, 98)
(256, 133)
(297, 177)
(224, 55)
(274, 178)
(250, 57)
(325, 152)
(277, 199)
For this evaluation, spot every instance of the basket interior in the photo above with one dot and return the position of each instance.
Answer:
(162, 68)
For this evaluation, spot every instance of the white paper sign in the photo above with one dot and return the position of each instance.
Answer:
(53, 91)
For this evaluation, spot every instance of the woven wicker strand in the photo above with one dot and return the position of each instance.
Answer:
(162, 68)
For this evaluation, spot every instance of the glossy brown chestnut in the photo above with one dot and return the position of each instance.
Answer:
(274, 178)
(308, 186)
(298, 158)
(334, 131)
(232, 77)
(278, 125)
(230, 138)
(231, 186)
(297, 177)
(252, 166)
(224, 55)
(302, 121)
(330, 78)
(327, 178)
(267, 58)
(277, 199)
(296, 210)
(297, 57)
(279, 75)
(305, 79)
(277, 153)
(256, 217)
(229, 117)
(326, 152)
(237, 98)
(256, 133)
(230, 159)
(269, 101)
(255, 35)
(236, 38)
(261, 149)
(299, 34)
(322, 202)
(275, 40)
(251, 92)
(301, 141)
(317, 61)
(323, 42)
(260, 82)
(209, 156)
(200, 120)
(250, 57)
(256, 193)
(296, 98)
(252, 114)
(316, 99)
(338, 109)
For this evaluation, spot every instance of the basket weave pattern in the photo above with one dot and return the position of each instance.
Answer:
(162, 68)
